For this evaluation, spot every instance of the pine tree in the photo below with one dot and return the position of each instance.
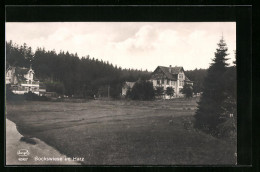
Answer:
(208, 115)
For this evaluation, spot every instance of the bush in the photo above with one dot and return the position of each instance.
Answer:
(228, 129)
(115, 90)
(187, 90)
(170, 91)
(159, 91)
(34, 97)
(142, 90)
(55, 87)
(10, 96)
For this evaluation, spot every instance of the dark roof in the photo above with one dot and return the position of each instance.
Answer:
(170, 75)
(172, 72)
(187, 79)
(9, 68)
(21, 71)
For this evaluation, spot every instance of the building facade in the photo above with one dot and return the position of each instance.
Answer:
(170, 77)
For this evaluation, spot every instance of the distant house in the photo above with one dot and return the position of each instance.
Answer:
(127, 86)
(22, 80)
(170, 77)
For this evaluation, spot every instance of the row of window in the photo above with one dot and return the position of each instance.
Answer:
(31, 89)
(181, 83)
(167, 82)
(18, 88)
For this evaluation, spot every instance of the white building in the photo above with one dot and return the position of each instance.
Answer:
(170, 77)
(22, 80)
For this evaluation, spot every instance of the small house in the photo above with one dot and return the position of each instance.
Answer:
(127, 86)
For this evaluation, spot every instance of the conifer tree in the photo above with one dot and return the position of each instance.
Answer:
(208, 115)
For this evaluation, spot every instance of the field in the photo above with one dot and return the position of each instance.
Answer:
(122, 132)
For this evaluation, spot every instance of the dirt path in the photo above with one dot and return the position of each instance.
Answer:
(37, 151)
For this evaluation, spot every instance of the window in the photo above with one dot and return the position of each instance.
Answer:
(180, 76)
(168, 82)
(181, 83)
(173, 83)
(158, 82)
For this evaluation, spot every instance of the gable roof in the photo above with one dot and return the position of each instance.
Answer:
(172, 72)
(128, 84)
(166, 70)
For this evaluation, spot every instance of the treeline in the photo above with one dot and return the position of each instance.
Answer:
(197, 76)
(66, 73)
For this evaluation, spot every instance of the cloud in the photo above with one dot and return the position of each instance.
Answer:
(142, 41)
(62, 34)
(130, 44)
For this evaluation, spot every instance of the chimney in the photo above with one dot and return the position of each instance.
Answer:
(170, 68)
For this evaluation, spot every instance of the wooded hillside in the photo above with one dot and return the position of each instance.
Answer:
(66, 73)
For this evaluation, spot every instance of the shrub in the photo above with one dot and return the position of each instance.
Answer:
(142, 90)
(228, 129)
(187, 90)
(229, 116)
(159, 91)
(34, 97)
(115, 90)
(10, 96)
(57, 87)
(170, 91)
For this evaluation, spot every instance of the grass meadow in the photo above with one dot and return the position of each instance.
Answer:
(122, 132)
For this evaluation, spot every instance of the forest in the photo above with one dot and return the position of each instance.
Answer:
(68, 74)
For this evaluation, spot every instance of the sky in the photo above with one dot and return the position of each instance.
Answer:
(135, 45)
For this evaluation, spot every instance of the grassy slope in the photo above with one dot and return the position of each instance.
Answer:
(121, 132)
